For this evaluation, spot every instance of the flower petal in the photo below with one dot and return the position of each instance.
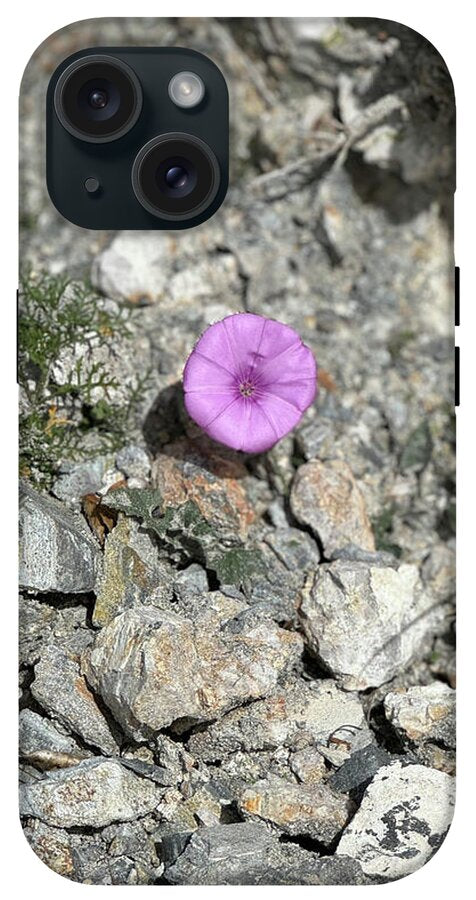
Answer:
(245, 426)
(205, 407)
(271, 356)
(203, 374)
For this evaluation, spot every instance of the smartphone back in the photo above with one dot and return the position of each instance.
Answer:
(237, 665)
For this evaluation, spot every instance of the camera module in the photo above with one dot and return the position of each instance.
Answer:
(175, 176)
(98, 98)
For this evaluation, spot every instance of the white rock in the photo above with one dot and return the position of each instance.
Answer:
(402, 820)
(424, 713)
(366, 623)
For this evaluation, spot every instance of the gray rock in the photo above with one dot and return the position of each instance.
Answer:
(92, 794)
(297, 714)
(192, 580)
(88, 477)
(325, 497)
(41, 744)
(63, 692)
(156, 668)
(424, 713)
(366, 623)
(40, 624)
(308, 765)
(287, 555)
(132, 840)
(133, 461)
(309, 810)
(244, 853)
(57, 550)
(357, 771)
(402, 820)
(249, 853)
(52, 846)
(131, 575)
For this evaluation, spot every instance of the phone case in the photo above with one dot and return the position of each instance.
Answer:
(238, 667)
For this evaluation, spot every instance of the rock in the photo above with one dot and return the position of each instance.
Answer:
(43, 746)
(132, 840)
(308, 765)
(156, 668)
(325, 497)
(295, 715)
(241, 853)
(131, 575)
(91, 794)
(287, 555)
(146, 270)
(424, 713)
(74, 704)
(357, 771)
(214, 479)
(89, 477)
(52, 846)
(40, 624)
(402, 820)
(134, 462)
(366, 623)
(192, 580)
(311, 810)
(57, 550)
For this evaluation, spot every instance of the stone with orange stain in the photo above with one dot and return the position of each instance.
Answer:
(326, 497)
(52, 846)
(63, 692)
(300, 810)
(424, 713)
(154, 668)
(213, 478)
(92, 794)
(298, 714)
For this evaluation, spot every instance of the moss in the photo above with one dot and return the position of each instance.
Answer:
(58, 315)
(382, 527)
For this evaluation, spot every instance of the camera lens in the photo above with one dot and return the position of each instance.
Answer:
(175, 176)
(98, 98)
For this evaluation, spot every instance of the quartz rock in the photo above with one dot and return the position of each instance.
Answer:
(213, 478)
(424, 713)
(155, 668)
(325, 497)
(402, 820)
(366, 623)
(312, 810)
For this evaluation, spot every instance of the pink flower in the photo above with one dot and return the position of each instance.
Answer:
(248, 381)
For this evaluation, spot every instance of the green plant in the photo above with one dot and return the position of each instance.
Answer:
(185, 529)
(57, 316)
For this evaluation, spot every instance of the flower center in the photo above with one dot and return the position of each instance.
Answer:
(247, 389)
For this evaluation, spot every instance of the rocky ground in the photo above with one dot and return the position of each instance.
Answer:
(241, 669)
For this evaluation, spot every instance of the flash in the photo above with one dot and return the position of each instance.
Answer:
(186, 89)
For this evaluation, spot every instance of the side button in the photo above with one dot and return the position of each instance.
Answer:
(456, 295)
(17, 333)
(457, 376)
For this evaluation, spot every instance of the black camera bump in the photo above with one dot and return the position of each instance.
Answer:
(148, 127)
